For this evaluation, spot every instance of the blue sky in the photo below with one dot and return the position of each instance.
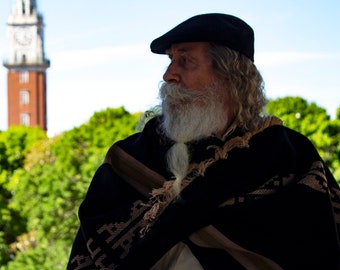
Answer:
(100, 56)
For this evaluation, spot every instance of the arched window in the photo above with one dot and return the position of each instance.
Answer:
(24, 97)
(24, 77)
(25, 119)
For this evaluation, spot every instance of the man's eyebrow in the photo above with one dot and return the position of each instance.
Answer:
(181, 52)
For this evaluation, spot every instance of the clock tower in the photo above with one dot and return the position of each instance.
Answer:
(27, 65)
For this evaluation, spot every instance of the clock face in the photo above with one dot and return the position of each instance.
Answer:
(23, 36)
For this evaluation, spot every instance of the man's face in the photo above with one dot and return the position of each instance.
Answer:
(195, 102)
(190, 66)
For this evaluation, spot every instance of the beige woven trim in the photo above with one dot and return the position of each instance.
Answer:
(132, 171)
(162, 197)
(312, 182)
(237, 142)
(261, 191)
(210, 237)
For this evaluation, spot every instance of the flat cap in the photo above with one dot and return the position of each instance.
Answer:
(220, 28)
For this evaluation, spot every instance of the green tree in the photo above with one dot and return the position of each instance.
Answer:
(14, 144)
(53, 181)
(312, 121)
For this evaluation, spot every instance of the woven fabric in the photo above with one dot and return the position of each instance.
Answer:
(260, 200)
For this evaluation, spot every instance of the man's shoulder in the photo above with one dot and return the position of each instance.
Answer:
(149, 134)
(282, 139)
(286, 133)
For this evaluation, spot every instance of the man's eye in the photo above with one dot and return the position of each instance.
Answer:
(183, 61)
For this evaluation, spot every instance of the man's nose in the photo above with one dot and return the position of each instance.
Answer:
(171, 74)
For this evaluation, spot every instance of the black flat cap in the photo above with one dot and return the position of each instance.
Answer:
(220, 28)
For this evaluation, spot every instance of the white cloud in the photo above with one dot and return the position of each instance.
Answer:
(270, 59)
(79, 59)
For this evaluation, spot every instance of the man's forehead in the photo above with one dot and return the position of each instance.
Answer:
(187, 47)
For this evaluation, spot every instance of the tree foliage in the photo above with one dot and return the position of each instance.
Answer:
(313, 122)
(43, 180)
(14, 145)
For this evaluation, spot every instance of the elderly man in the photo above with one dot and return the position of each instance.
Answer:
(210, 183)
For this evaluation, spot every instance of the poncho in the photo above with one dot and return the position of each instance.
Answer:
(262, 200)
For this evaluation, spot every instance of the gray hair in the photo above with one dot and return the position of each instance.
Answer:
(245, 84)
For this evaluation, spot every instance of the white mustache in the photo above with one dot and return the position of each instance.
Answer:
(173, 93)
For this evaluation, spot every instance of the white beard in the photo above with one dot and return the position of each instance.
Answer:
(190, 115)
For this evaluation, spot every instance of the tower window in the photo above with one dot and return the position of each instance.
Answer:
(25, 119)
(24, 97)
(24, 77)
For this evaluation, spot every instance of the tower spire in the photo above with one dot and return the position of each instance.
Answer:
(26, 64)
(25, 7)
